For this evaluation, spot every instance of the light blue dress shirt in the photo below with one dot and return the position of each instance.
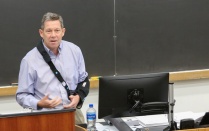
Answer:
(37, 80)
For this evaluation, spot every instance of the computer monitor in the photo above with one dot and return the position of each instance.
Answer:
(133, 95)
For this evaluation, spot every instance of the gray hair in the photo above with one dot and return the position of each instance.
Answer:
(51, 17)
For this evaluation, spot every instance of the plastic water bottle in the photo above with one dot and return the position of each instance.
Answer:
(91, 118)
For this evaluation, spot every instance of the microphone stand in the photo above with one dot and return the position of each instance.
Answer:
(172, 124)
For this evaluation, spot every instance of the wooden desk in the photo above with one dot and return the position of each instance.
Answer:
(198, 129)
(79, 128)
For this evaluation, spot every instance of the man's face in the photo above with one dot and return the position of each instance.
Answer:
(52, 34)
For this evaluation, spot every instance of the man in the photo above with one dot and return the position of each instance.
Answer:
(38, 87)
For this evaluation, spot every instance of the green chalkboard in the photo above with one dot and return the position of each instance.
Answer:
(88, 23)
(162, 35)
(115, 36)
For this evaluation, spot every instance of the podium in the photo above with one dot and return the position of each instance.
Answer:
(53, 120)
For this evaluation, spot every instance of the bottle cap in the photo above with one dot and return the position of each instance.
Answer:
(91, 105)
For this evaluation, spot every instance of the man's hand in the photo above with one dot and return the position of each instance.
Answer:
(49, 103)
(74, 101)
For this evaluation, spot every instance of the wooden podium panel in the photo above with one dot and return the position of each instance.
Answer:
(59, 120)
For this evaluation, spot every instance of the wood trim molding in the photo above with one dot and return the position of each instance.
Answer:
(8, 90)
(189, 75)
(174, 76)
(94, 81)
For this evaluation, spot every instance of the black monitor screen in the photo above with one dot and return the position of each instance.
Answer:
(133, 95)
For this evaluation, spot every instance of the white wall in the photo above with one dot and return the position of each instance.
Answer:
(9, 104)
(191, 95)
